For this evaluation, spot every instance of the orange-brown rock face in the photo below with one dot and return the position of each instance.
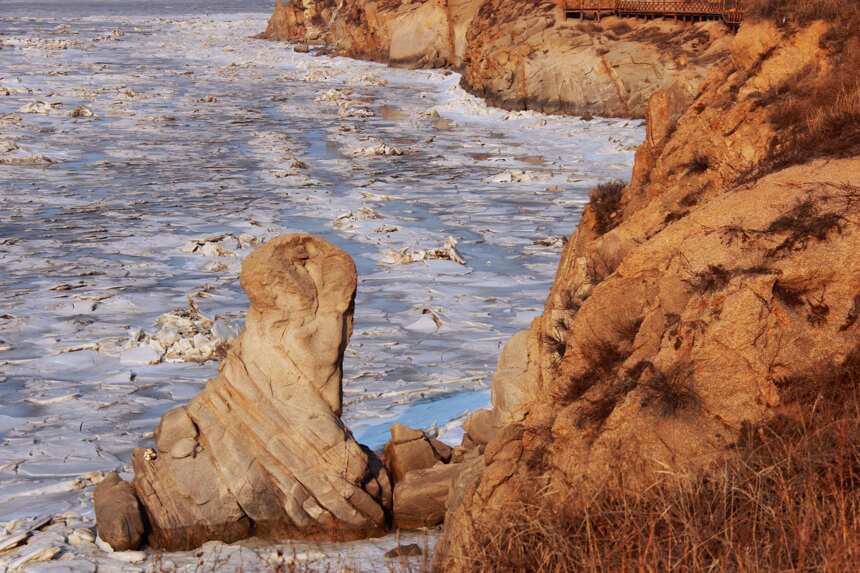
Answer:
(682, 300)
(517, 54)
(525, 55)
(421, 34)
(262, 450)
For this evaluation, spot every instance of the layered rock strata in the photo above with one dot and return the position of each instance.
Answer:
(262, 449)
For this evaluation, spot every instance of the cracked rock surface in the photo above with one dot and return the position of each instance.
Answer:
(262, 450)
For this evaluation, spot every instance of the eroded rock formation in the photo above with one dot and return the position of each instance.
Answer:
(517, 54)
(262, 450)
(684, 300)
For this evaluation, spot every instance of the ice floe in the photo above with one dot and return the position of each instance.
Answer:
(122, 234)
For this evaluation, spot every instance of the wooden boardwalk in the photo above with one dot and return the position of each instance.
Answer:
(728, 11)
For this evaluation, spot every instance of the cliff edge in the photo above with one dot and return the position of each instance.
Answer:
(516, 54)
(710, 304)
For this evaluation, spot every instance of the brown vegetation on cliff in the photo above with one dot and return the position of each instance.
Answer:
(816, 112)
(699, 411)
(789, 502)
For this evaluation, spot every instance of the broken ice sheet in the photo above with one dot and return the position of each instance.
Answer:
(105, 216)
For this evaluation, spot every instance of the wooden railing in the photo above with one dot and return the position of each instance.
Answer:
(729, 11)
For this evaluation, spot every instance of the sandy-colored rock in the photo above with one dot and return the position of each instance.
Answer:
(120, 521)
(482, 426)
(420, 498)
(262, 448)
(522, 55)
(411, 449)
(721, 275)
(518, 54)
(416, 34)
(516, 380)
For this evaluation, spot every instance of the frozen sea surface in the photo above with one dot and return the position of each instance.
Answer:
(186, 129)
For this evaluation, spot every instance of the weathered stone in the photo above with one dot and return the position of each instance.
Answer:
(481, 427)
(183, 448)
(118, 514)
(411, 449)
(401, 433)
(516, 53)
(666, 333)
(420, 498)
(262, 449)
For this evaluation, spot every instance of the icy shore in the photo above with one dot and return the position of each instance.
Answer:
(142, 157)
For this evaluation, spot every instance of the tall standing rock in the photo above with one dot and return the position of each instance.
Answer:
(262, 449)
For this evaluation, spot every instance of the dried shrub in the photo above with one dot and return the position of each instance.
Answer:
(791, 297)
(692, 198)
(568, 301)
(699, 163)
(817, 313)
(556, 342)
(853, 315)
(606, 205)
(671, 392)
(595, 412)
(713, 279)
(817, 113)
(789, 502)
(801, 224)
(673, 216)
(603, 359)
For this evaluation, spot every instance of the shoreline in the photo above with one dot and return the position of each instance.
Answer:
(514, 54)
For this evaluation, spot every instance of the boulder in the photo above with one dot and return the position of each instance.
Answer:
(120, 521)
(262, 449)
(420, 498)
(411, 449)
(481, 427)
(515, 381)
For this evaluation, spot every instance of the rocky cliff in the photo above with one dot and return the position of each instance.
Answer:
(517, 54)
(691, 301)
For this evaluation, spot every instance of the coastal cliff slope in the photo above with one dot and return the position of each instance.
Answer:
(516, 54)
(709, 301)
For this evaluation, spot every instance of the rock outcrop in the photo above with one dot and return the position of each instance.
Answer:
(411, 449)
(517, 54)
(424, 472)
(262, 450)
(525, 55)
(420, 498)
(685, 300)
(416, 34)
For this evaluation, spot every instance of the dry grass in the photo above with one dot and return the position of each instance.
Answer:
(817, 114)
(606, 205)
(603, 358)
(671, 393)
(802, 224)
(790, 502)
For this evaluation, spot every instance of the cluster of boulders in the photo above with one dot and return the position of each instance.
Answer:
(261, 451)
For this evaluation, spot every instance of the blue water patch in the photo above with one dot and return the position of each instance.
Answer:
(436, 411)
